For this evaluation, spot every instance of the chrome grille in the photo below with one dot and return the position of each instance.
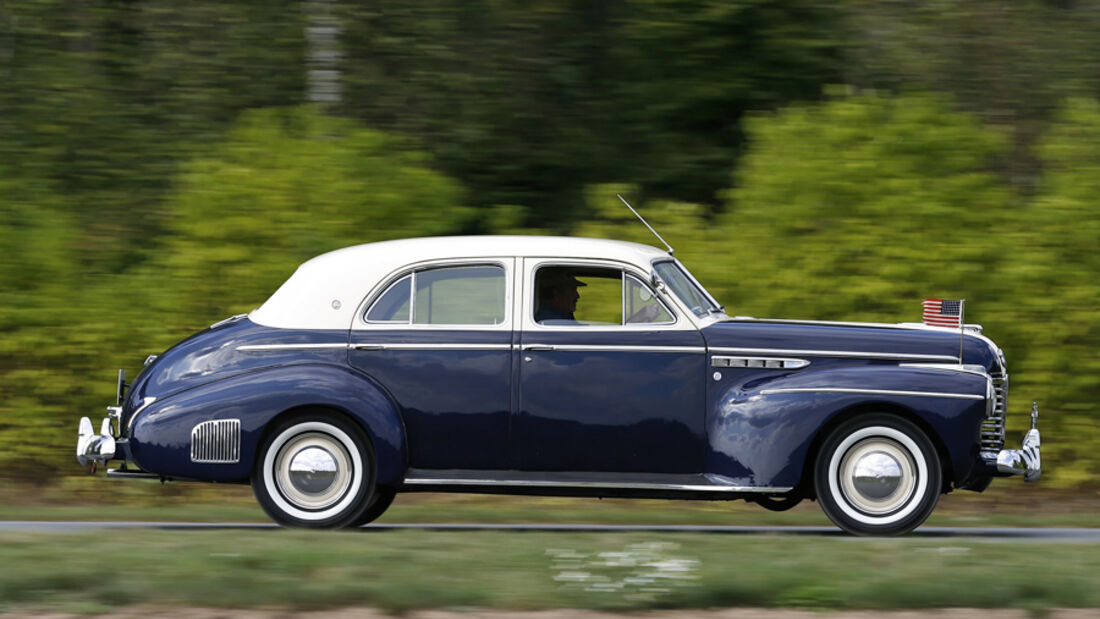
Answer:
(993, 427)
(216, 442)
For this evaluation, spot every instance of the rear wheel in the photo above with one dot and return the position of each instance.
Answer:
(315, 471)
(877, 475)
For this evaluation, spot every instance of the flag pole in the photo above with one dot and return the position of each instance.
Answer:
(962, 329)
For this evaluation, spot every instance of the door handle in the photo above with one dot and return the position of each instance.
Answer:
(369, 346)
(538, 347)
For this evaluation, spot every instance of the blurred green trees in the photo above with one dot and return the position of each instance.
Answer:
(160, 168)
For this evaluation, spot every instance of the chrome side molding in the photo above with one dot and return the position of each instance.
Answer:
(719, 361)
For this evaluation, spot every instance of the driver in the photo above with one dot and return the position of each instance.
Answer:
(558, 296)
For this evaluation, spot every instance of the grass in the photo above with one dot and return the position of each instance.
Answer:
(95, 572)
(404, 570)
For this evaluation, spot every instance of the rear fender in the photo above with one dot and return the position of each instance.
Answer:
(160, 441)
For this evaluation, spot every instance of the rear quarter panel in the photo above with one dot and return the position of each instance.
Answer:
(160, 440)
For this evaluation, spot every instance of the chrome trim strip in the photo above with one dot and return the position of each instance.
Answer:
(603, 348)
(535, 483)
(232, 318)
(971, 329)
(976, 370)
(923, 394)
(471, 346)
(845, 354)
(130, 425)
(274, 347)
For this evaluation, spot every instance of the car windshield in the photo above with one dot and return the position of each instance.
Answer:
(685, 287)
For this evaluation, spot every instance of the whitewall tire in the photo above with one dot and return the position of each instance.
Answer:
(315, 471)
(877, 475)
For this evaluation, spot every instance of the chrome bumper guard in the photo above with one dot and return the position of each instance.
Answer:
(94, 448)
(1025, 460)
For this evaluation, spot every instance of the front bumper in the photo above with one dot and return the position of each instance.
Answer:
(1024, 461)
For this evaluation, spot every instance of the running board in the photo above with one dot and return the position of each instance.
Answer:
(474, 481)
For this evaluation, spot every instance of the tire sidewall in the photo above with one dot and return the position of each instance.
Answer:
(905, 435)
(351, 504)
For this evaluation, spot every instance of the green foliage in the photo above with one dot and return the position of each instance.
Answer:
(859, 207)
(285, 185)
(104, 99)
(1055, 283)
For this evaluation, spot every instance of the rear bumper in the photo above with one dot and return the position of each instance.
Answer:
(92, 448)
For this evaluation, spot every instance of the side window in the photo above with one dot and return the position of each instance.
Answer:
(393, 305)
(472, 295)
(593, 296)
(459, 296)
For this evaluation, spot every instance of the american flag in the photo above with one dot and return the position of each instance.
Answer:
(943, 313)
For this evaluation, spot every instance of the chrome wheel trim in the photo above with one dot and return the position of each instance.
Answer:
(338, 496)
(877, 476)
(871, 442)
(312, 471)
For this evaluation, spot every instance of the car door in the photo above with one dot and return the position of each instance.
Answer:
(438, 337)
(614, 387)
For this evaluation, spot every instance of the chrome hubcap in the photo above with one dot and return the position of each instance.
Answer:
(313, 471)
(877, 476)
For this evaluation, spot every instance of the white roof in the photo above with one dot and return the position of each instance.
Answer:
(325, 291)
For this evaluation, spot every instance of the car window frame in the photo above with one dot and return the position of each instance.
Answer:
(531, 266)
(718, 307)
(377, 292)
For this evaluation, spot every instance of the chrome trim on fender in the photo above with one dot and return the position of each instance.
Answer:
(977, 370)
(846, 354)
(146, 402)
(538, 483)
(758, 362)
(923, 394)
(216, 442)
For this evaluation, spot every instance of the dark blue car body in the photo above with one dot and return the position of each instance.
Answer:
(694, 404)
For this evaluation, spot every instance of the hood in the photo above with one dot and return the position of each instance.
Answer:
(915, 343)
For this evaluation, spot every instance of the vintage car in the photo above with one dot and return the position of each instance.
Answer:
(558, 366)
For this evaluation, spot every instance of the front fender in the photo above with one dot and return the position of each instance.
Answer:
(760, 431)
(160, 441)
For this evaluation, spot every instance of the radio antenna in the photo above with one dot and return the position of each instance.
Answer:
(646, 223)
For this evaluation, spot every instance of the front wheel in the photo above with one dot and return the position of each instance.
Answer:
(877, 475)
(315, 471)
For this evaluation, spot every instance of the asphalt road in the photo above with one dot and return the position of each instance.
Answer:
(999, 534)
